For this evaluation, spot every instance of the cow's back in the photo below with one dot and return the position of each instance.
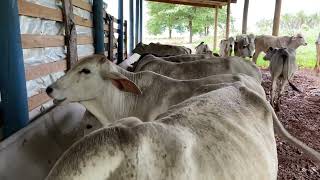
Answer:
(215, 136)
(203, 68)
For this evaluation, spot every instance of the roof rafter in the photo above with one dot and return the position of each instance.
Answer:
(200, 3)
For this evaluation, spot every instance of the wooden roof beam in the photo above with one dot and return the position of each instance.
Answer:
(206, 3)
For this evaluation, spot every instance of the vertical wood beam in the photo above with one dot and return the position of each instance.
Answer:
(110, 38)
(215, 27)
(125, 26)
(228, 20)
(136, 34)
(276, 18)
(245, 17)
(71, 34)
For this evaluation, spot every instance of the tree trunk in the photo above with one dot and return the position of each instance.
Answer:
(190, 30)
(205, 31)
(170, 33)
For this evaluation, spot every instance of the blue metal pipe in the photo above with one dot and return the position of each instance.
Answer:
(13, 103)
(131, 29)
(98, 26)
(137, 22)
(120, 38)
(140, 21)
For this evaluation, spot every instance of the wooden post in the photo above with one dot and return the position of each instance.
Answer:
(110, 38)
(215, 27)
(317, 67)
(276, 18)
(245, 17)
(71, 34)
(125, 33)
(228, 20)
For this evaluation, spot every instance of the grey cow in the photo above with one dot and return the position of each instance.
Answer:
(160, 50)
(203, 49)
(263, 42)
(200, 68)
(282, 67)
(103, 87)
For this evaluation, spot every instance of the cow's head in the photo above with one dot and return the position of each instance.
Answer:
(88, 80)
(298, 40)
(270, 52)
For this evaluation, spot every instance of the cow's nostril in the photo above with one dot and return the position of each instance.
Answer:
(49, 90)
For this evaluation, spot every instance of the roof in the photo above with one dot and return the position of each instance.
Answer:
(201, 3)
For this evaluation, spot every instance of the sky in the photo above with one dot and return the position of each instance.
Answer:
(258, 9)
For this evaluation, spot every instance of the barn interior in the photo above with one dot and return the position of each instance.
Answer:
(44, 39)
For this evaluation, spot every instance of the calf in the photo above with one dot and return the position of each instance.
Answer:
(111, 93)
(225, 134)
(203, 49)
(263, 42)
(282, 67)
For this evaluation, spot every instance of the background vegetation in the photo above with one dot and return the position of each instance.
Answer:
(167, 18)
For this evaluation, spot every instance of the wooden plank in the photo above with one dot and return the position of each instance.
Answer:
(34, 10)
(36, 41)
(70, 33)
(83, 22)
(85, 40)
(83, 5)
(38, 11)
(110, 37)
(37, 71)
(37, 100)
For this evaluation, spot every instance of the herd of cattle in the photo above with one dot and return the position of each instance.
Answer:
(175, 115)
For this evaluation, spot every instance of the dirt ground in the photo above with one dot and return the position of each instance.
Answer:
(300, 114)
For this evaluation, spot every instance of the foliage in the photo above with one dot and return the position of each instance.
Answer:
(181, 18)
(291, 23)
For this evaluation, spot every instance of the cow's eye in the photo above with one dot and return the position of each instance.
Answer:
(85, 71)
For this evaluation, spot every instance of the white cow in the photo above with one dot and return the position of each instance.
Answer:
(226, 47)
(200, 68)
(263, 42)
(161, 50)
(226, 134)
(103, 87)
(282, 68)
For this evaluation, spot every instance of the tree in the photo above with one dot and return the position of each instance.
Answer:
(163, 16)
(180, 17)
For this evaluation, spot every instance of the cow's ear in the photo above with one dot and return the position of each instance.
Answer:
(122, 83)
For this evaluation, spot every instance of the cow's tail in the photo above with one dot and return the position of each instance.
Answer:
(281, 131)
(294, 87)
(286, 68)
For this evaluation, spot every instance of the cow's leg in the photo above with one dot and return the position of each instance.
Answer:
(273, 90)
(256, 55)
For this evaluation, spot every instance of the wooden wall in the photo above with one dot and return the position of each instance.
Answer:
(39, 41)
